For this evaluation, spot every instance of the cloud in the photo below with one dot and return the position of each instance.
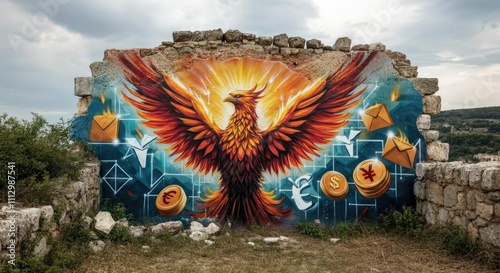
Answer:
(46, 43)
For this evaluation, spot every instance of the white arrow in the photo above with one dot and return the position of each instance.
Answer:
(141, 149)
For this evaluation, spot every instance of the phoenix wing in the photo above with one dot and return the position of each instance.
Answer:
(313, 116)
(176, 115)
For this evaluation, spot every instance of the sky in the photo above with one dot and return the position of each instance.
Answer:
(45, 44)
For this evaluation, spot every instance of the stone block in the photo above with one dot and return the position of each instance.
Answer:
(497, 210)
(431, 213)
(182, 36)
(232, 36)
(480, 222)
(461, 201)
(47, 212)
(431, 135)
(170, 53)
(471, 200)
(443, 216)
(376, 47)
(460, 221)
(464, 174)
(264, 40)
(434, 193)
(432, 104)
(342, 44)
(475, 175)
(471, 215)
(254, 48)
(82, 105)
(425, 86)
(450, 196)
(419, 190)
(314, 44)
(273, 50)
(494, 196)
(249, 36)
(104, 222)
(214, 35)
(33, 215)
(424, 122)
(395, 55)
(472, 231)
(198, 36)
(198, 236)
(485, 210)
(422, 169)
(83, 86)
(285, 51)
(438, 151)
(491, 179)
(452, 171)
(491, 234)
(280, 40)
(360, 47)
(296, 42)
(408, 71)
(212, 229)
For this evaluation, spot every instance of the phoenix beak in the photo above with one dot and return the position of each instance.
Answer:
(229, 99)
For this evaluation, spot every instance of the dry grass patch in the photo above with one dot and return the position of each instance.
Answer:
(232, 253)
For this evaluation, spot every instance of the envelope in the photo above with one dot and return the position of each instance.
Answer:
(376, 117)
(399, 152)
(104, 128)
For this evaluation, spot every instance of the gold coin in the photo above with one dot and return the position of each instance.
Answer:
(171, 200)
(372, 178)
(369, 173)
(334, 185)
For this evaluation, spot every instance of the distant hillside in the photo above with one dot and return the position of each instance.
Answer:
(469, 131)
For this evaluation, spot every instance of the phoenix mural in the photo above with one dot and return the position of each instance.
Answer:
(248, 128)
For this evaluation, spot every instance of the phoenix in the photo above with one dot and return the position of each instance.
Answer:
(242, 151)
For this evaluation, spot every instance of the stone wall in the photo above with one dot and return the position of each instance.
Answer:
(293, 51)
(38, 224)
(467, 195)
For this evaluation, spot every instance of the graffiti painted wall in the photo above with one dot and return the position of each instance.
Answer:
(250, 138)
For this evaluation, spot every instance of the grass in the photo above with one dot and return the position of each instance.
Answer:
(371, 252)
(398, 243)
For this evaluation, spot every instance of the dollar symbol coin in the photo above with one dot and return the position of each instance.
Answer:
(334, 185)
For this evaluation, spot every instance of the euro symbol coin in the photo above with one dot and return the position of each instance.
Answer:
(171, 200)
(334, 185)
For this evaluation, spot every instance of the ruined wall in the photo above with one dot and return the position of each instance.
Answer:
(39, 224)
(463, 194)
(361, 110)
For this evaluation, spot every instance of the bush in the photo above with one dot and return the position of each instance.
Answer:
(311, 229)
(353, 229)
(406, 222)
(41, 151)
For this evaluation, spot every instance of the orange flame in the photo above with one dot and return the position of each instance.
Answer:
(107, 112)
(402, 137)
(103, 99)
(395, 93)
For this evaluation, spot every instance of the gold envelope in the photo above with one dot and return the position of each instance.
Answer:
(376, 117)
(399, 152)
(104, 128)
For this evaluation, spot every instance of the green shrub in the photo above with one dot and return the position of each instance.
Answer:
(41, 151)
(405, 222)
(312, 229)
(353, 229)
(117, 209)
(119, 234)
